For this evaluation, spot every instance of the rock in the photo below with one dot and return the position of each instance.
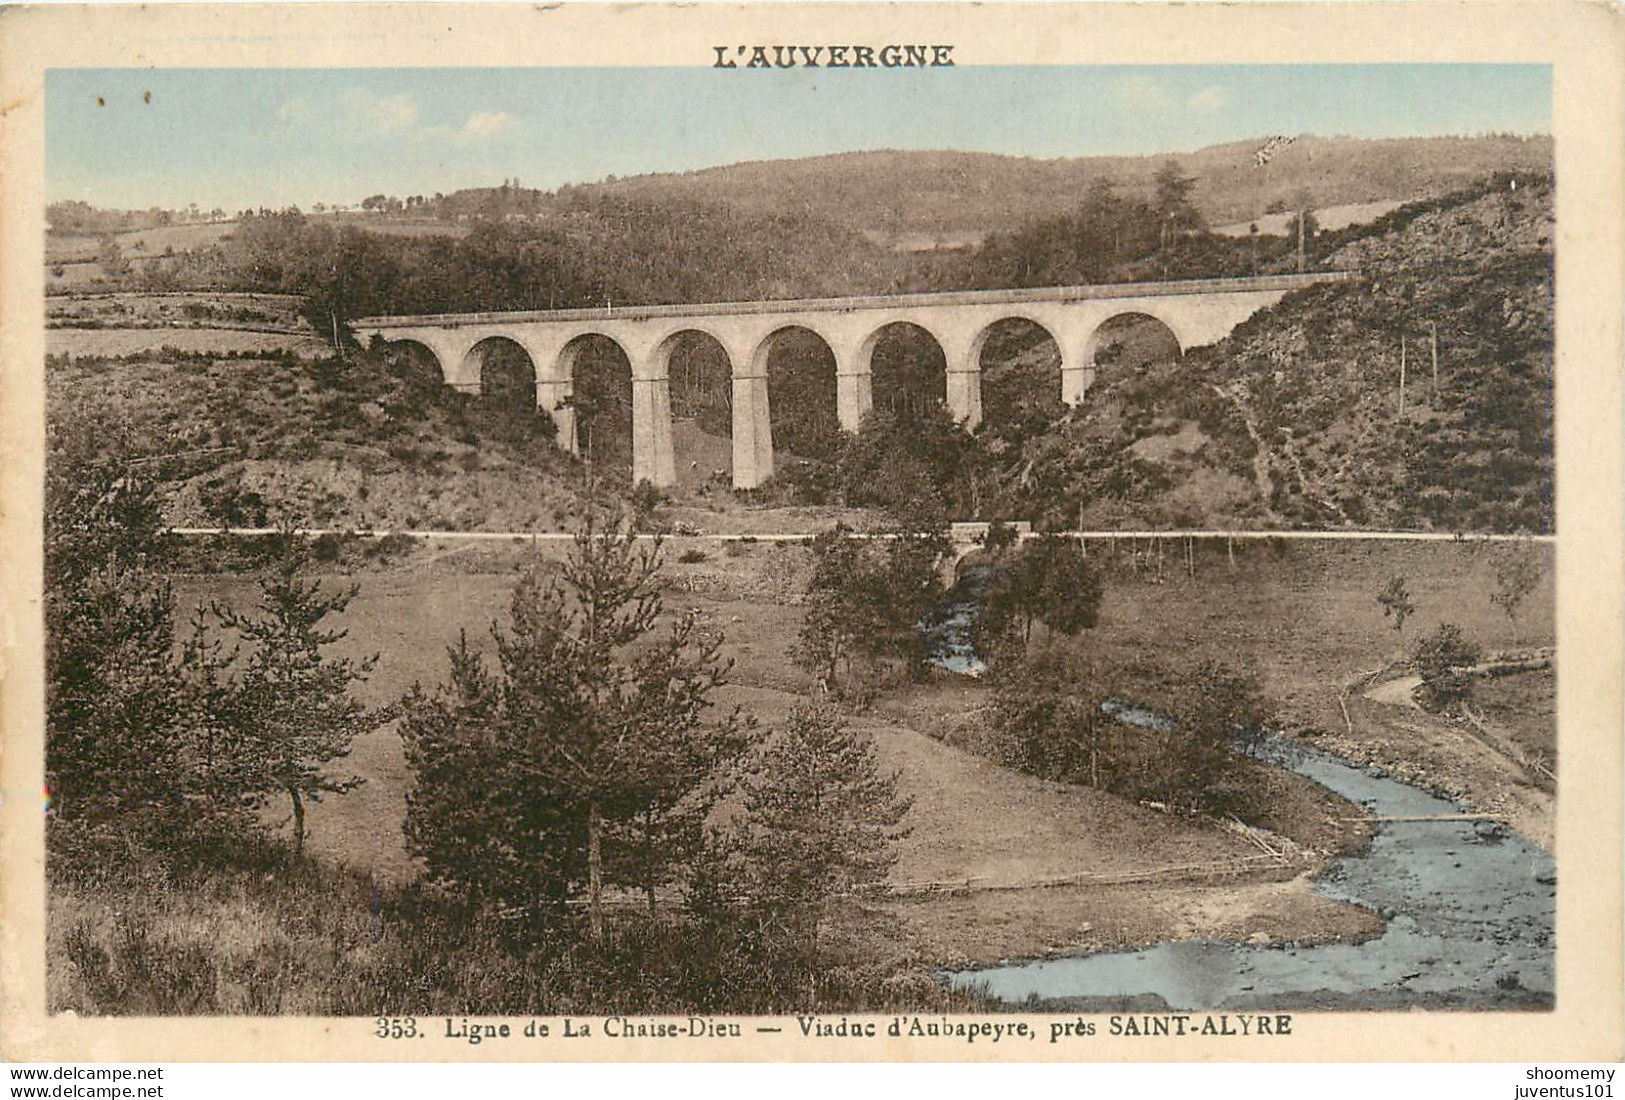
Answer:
(1489, 830)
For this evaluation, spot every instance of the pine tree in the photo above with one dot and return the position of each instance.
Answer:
(820, 825)
(473, 815)
(141, 732)
(295, 713)
(115, 710)
(587, 757)
(682, 759)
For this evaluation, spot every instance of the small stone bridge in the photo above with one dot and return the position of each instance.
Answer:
(1197, 312)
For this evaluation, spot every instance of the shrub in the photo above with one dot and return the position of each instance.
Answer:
(645, 499)
(326, 548)
(1073, 726)
(227, 504)
(999, 536)
(1444, 660)
(864, 602)
(393, 544)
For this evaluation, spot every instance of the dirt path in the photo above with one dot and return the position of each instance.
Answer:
(1399, 692)
(1469, 758)
(1261, 450)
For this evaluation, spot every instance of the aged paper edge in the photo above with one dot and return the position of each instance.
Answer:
(1582, 43)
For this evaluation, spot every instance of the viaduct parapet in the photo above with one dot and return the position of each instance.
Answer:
(1197, 312)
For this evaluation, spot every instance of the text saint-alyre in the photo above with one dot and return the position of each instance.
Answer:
(891, 56)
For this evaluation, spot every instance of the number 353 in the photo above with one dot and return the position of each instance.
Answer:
(396, 1027)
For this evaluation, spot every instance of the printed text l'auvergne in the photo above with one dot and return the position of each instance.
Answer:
(890, 55)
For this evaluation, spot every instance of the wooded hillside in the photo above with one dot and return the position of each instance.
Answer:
(1296, 418)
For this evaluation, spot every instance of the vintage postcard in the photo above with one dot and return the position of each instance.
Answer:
(796, 532)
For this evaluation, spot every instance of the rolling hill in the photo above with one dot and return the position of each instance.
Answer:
(908, 198)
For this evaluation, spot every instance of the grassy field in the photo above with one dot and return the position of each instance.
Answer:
(395, 226)
(112, 342)
(113, 325)
(63, 248)
(1328, 218)
(1525, 706)
(1304, 616)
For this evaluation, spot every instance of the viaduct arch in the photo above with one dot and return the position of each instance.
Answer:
(1198, 312)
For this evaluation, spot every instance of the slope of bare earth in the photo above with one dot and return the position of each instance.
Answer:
(1500, 764)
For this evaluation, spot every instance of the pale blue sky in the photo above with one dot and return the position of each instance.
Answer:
(269, 137)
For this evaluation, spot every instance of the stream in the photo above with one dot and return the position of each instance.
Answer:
(1469, 909)
(949, 629)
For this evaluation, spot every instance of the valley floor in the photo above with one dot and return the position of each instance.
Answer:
(998, 864)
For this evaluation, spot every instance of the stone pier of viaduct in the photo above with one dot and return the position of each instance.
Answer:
(1197, 312)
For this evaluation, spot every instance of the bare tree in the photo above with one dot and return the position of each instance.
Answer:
(1396, 605)
(1516, 577)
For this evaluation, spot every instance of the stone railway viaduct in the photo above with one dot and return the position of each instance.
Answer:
(1197, 312)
